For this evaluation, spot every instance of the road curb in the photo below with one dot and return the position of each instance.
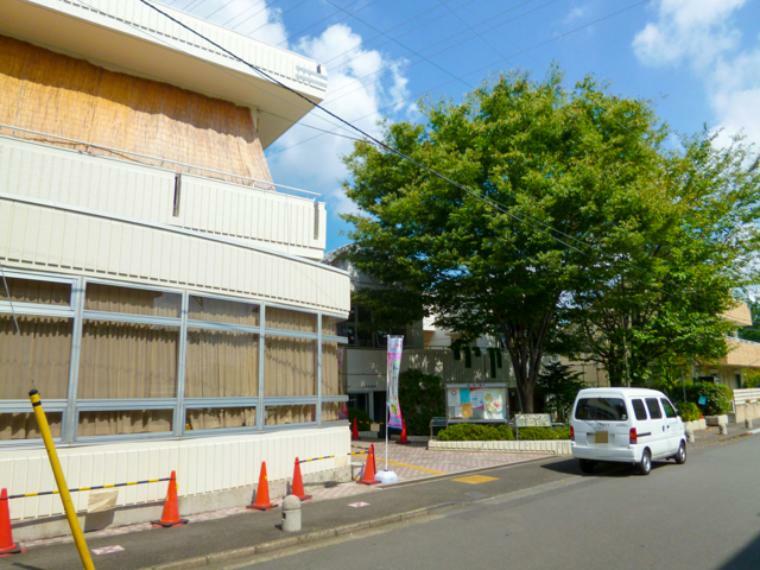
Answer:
(216, 558)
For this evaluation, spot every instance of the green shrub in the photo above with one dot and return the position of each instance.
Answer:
(500, 432)
(689, 411)
(718, 397)
(543, 433)
(362, 418)
(476, 432)
(422, 397)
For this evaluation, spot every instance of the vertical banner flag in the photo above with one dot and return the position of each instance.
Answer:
(395, 348)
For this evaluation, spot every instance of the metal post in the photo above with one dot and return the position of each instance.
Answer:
(60, 481)
(260, 410)
(179, 408)
(68, 433)
(319, 369)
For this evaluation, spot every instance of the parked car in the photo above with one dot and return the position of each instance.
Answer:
(625, 425)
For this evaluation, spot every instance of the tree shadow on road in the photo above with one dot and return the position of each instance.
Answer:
(748, 557)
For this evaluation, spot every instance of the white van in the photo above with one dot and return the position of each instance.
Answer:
(626, 425)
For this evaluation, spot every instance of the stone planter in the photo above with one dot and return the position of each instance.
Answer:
(721, 420)
(549, 447)
(696, 425)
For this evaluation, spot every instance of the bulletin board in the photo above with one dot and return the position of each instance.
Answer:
(477, 402)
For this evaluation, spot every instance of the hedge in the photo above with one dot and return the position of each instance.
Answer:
(502, 432)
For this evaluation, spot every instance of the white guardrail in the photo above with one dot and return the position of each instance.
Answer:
(746, 395)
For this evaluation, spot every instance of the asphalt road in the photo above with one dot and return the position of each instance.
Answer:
(702, 515)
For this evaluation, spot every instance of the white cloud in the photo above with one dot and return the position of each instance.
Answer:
(361, 84)
(704, 34)
(576, 13)
(252, 18)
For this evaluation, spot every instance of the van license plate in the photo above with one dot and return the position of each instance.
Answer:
(601, 437)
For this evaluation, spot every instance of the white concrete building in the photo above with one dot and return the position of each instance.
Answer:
(172, 308)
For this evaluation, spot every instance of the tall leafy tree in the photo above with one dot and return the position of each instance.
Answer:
(664, 275)
(542, 174)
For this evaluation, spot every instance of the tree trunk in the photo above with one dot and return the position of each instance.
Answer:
(525, 347)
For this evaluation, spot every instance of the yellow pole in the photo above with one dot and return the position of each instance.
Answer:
(60, 480)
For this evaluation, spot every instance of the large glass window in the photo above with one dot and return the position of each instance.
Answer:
(218, 310)
(334, 411)
(221, 364)
(331, 380)
(290, 367)
(23, 425)
(217, 418)
(122, 422)
(296, 414)
(606, 409)
(128, 360)
(291, 320)
(37, 357)
(33, 291)
(128, 300)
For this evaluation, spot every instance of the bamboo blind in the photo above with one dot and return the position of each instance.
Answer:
(49, 92)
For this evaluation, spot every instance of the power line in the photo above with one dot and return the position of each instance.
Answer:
(319, 21)
(368, 136)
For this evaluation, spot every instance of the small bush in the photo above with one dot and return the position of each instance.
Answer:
(501, 432)
(689, 411)
(362, 418)
(718, 396)
(476, 432)
(543, 433)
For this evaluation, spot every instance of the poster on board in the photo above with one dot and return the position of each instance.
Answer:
(476, 402)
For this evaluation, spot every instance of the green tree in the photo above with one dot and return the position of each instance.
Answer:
(664, 276)
(559, 385)
(422, 398)
(541, 172)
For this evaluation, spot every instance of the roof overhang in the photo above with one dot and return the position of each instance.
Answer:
(129, 37)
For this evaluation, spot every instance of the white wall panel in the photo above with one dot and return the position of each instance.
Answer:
(74, 242)
(203, 465)
(277, 221)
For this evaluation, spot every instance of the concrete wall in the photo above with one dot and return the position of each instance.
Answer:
(204, 466)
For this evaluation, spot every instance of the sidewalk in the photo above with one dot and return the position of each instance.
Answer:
(712, 436)
(212, 542)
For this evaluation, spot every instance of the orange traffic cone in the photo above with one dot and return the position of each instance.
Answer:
(355, 430)
(368, 476)
(297, 487)
(170, 516)
(7, 546)
(261, 501)
(403, 439)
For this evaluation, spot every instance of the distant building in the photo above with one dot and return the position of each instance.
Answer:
(173, 310)
(427, 347)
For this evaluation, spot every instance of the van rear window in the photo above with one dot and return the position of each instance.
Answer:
(608, 409)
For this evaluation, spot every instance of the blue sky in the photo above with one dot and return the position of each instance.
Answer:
(697, 61)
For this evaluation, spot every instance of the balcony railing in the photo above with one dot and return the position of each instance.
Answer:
(150, 189)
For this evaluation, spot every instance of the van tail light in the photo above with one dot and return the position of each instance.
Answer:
(572, 433)
(633, 437)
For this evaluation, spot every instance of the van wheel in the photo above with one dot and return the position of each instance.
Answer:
(680, 456)
(586, 465)
(645, 465)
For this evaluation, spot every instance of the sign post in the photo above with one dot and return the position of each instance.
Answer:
(393, 407)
